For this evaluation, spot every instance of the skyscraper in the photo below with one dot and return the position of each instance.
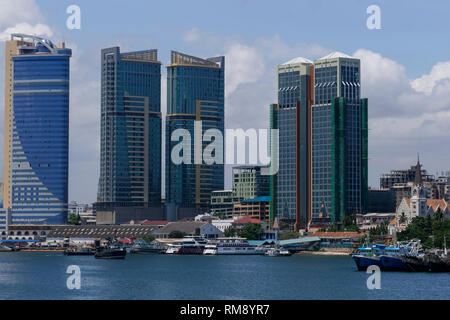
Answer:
(291, 116)
(339, 138)
(11, 49)
(195, 92)
(130, 160)
(37, 113)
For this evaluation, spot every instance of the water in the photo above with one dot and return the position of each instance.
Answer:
(43, 276)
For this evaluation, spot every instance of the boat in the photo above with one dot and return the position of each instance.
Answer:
(79, 251)
(439, 260)
(210, 250)
(110, 252)
(392, 257)
(237, 246)
(5, 249)
(145, 248)
(187, 246)
(277, 252)
(368, 255)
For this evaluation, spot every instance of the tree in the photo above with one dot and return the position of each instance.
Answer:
(289, 235)
(230, 232)
(74, 218)
(176, 234)
(430, 230)
(350, 223)
(149, 239)
(251, 231)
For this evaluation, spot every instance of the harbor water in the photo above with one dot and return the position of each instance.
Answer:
(43, 276)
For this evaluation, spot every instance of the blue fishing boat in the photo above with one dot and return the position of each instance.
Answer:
(391, 259)
(368, 255)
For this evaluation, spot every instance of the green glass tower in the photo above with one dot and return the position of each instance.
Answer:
(339, 138)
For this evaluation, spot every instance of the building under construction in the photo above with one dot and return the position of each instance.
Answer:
(401, 177)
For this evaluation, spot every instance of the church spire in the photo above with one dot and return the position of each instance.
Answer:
(418, 176)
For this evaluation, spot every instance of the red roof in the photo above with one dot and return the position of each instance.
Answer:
(339, 234)
(149, 222)
(246, 220)
(155, 223)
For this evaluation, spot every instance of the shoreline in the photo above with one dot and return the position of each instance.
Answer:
(325, 253)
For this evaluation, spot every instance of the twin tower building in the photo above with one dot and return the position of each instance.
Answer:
(321, 119)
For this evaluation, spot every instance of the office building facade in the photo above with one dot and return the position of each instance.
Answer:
(249, 183)
(130, 159)
(290, 194)
(339, 138)
(38, 120)
(195, 99)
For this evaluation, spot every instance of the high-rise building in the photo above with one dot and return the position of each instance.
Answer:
(339, 138)
(130, 159)
(249, 183)
(291, 116)
(195, 92)
(37, 115)
(11, 49)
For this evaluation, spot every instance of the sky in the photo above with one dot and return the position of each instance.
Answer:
(405, 64)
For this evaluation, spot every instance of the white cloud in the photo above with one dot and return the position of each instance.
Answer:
(38, 29)
(426, 83)
(192, 35)
(17, 11)
(244, 64)
(406, 116)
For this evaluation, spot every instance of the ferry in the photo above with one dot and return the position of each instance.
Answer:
(236, 246)
(187, 246)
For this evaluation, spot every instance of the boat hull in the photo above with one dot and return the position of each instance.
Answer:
(363, 262)
(111, 254)
(392, 263)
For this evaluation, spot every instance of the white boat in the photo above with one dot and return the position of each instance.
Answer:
(187, 246)
(210, 249)
(236, 246)
(274, 252)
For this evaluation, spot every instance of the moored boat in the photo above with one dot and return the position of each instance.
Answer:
(237, 246)
(110, 252)
(79, 251)
(145, 248)
(187, 246)
(368, 255)
(276, 252)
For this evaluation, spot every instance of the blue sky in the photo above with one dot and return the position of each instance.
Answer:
(413, 32)
(405, 65)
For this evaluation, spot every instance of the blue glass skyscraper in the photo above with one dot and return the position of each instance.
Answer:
(195, 92)
(130, 160)
(39, 132)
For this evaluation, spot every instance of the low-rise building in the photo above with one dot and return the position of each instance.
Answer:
(257, 208)
(190, 228)
(373, 220)
(410, 208)
(222, 203)
(241, 222)
(339, 239)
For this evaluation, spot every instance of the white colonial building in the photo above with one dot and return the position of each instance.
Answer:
(419, 205)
